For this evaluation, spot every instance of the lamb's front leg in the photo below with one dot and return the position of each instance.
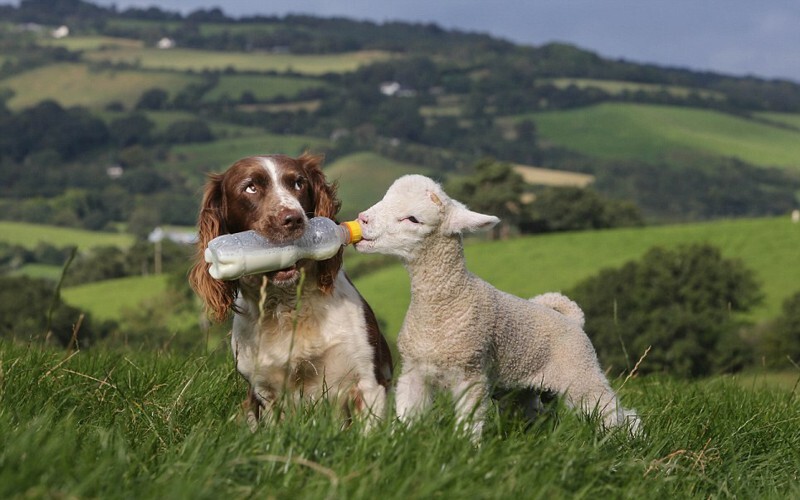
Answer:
(413, 394)
(472, 401)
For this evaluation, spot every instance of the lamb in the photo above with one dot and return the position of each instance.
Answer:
(463, 335)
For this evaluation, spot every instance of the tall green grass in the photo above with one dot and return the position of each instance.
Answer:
(152, 425)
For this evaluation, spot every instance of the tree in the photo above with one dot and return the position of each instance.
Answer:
(782, 343)
(574, 209)
(185, 131)
(26, 303)
(132, 129)
(681, 302)
(494, 188)
(153, 99)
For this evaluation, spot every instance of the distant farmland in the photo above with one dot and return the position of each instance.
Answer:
(651, 132)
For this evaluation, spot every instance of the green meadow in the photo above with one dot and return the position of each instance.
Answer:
(652, 133)
(527, 266)
(106, 300)
(616, 87)
(262, 87)
(129, 424)
(29, 235)
(180, 59)
(76, 84)
(364, 178)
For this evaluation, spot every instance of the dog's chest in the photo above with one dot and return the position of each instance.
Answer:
(285, 351)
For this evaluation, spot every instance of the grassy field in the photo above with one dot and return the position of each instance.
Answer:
(75, 84)
(791, 119)
(105, 300)
(262, 87)
(616, 87)
(179, 59)
(30, 235)
(101, 424)
(363, 179)
(531, 265)
(651, 133)
(549, 177)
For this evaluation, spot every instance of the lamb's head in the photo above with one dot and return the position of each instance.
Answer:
(414, 209)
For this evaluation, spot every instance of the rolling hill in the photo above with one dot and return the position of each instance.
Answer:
(652, 133)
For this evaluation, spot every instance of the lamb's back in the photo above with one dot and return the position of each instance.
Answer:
(525, 334)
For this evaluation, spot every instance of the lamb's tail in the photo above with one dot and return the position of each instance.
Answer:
(562, 304)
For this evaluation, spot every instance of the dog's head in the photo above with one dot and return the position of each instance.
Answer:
(414, 209)
(274, 195)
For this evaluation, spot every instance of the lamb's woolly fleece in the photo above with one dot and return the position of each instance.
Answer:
(463, 335)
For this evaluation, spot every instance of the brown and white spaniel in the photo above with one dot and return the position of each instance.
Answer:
(304, 331)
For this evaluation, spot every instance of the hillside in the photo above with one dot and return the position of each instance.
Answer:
(169, 97)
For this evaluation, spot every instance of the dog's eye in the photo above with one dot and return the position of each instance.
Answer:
(251, 189)
(298, 184)
(412, 219)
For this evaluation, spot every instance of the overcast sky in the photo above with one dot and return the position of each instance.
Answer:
(739, 37)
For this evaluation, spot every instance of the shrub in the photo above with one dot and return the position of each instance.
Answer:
(682, 302)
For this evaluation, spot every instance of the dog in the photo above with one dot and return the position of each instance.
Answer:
(303, 332)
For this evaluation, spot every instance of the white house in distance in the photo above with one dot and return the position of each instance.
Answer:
(165, 43)
(60, 32)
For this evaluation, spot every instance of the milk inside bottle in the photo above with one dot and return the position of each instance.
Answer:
(235, 255)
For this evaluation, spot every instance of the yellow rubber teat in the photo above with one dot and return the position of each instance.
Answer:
(354, 228)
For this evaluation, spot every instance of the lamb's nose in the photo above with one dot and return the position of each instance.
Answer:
(363, 219)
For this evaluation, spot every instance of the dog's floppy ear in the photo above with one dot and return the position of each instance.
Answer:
(460, 219)
(326, 204)
(218, 296)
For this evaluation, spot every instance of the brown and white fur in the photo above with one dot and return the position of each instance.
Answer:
(320, 341)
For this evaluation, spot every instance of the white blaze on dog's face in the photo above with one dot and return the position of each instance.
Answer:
(414, 208)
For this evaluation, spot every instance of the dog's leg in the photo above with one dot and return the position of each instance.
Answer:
(472, 400)
(413, 394)
(252, 409)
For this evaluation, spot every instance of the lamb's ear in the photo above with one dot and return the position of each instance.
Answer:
(460, 219)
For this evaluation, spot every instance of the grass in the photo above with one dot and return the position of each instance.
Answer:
(651, 133)
(616, 87)
(75, 84)
(30, 235)
(154, 425)
(180, 59)
(364, 178)
(531, 265)
(262, 87)
(105, 300)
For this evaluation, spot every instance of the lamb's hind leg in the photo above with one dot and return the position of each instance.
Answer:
(591, 392)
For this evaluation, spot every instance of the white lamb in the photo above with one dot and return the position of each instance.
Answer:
(462, 334)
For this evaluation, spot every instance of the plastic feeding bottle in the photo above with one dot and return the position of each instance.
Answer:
(235, 255)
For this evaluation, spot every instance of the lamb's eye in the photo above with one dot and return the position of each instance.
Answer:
(412, 219)
(251, 189)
